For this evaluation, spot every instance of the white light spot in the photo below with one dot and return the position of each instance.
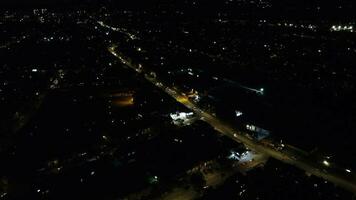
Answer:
(326, 163)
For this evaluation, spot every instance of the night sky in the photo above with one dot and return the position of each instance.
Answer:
(35, 3)
(24, 3)
(299, 9)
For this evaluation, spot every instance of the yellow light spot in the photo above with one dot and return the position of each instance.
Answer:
(182, 99)
(122, 99)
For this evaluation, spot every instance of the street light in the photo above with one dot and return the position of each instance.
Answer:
(262, 90)
(326, 163)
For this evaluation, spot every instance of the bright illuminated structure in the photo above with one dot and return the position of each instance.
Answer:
(182, 118)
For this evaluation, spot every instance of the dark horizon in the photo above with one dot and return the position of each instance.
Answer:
(316, 10)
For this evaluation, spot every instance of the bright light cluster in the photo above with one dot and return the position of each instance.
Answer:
(342, 28)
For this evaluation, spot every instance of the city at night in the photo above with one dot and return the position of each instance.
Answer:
(177, 100)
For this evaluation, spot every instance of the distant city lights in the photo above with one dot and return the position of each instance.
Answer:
(238, 113)
(342, 28)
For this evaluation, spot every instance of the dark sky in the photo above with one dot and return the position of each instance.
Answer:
(296, 8)
(121, 4)
(31, 3)
(54, 3)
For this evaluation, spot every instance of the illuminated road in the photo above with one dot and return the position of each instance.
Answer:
(290, 155)
(117, 29)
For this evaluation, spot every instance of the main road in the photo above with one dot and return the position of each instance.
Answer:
(289, 154)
